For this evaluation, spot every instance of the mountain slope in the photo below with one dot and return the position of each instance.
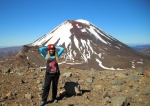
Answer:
(9, 51)
(86, 44)
(145, 51)
(86, 47)
(141, 47)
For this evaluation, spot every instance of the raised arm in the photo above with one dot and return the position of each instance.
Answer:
(43, 50)
(61, 50)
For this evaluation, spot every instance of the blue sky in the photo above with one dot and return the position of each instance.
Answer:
(24, 21)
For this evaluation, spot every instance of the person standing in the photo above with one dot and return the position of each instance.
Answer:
(52, 70)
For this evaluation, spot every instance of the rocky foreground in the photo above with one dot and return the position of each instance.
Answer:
(77, 88)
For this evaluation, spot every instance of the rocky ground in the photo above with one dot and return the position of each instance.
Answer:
(98, 88)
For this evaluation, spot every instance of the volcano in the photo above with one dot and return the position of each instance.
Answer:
(87, 46)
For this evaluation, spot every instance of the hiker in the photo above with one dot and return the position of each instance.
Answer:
(52, 70)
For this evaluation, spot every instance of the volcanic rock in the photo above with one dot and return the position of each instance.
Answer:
(28, 96)
(67, 74)
(119, 101)
(140, 71)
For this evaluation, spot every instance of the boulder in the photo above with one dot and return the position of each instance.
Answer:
(133, 77)
(140, 71)
(67, 74)
(89, 80)
(72, 88)
(119, 101)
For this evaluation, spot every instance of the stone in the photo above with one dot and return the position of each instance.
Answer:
(140, 99)
(40, 88)
(62, 92)
(121, 75)
(111, 77)
(77, 90)
(22, 81)
(85, 97)
(70, 105)
(10, 98)
(63, 81)
(133, 77)
(7, 70)
(70, 88)
(38, 81)
(40, 85)
(131, 85)
(28, 96)
(90, 88)
(105, 95)
(137, 90)
(1, 100)
(141, 81)
(39, 95)
(103, 76)
(140, 71)
(2, 81)
(2, 103)
(117, 88)
(34, 76)
(67, 74)
(21, 74)
(9, 94)
(89, 80)
(146, 92)
(119, 101)
(20, 68)
(4, 97)
(81, 82)
(14, 93)
(117, 82)
(98, 87)
(106, 101)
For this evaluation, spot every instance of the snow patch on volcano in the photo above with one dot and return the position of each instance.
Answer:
(62, 35)
(91, 29)
(101, 65)
(83, 21)
(76, 42)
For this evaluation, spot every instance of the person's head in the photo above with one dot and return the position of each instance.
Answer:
(52, 52)
(51, 49)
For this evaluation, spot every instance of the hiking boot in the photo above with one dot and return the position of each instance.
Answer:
(55, 100)
(42, 103)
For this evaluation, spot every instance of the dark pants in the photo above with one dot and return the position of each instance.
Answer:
(47, 83)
